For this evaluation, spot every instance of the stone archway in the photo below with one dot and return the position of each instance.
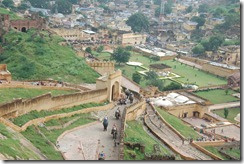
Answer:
(23, 29)
(115, 91)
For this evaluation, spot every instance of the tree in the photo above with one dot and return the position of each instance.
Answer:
(23, 6)
(136, 77)
(40, 4)
(200, 21)
(226, 112)
(215, 42)
(120, 55)
(189, 9)
(203, 8)
(151, 75)
(88, 49)
(138, 22)
(198, 49)
(173, 86)
(218, 12)
(8, 3)
(100, 49)
(206, 45)
(63, 6)
(168, 7)
(226, 91)
(197, 35)
(157, 12)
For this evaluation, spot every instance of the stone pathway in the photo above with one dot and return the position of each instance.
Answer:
(164, 132)
(86, 142)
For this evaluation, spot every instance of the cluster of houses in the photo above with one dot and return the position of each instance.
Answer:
(90, 24)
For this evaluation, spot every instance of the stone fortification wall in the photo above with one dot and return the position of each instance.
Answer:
(216, 70)
(179, 110)
(135, 110)
(194, 60)
(102, 67)
(220, 71)
(56, 116)
(48, 102)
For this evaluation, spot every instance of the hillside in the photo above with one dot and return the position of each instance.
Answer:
(39, 55)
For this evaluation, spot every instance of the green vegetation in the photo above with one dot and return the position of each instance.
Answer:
(38, 55)
(140, 136)
(232, 113)
(12, 15)
(13, 148)
(234, 152)
(192, 75)
(21, 120)
(43, 143)
(8, 94)
(138, 22)
(217, 96)
(215, 151)
(179, 125)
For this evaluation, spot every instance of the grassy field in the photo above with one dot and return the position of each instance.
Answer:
(43, 144)
(12, 15)
(21, 120)
(194, 76)
(217, 96)
(189, 75)
(8, 94)
(139, 135)
(231, 115)
(215, 151)
(13, 148)
(179, 125)
(34, 55)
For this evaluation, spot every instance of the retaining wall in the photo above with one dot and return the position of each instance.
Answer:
(56, 116)
(48, 102)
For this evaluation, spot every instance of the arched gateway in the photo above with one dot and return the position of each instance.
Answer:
(112, 82)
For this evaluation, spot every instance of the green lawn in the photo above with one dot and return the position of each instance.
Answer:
(8, 94)
(179, 125)
(102, 55)
(194, 76)
(139, 135)
(217, 96)
(231, 115)
(13, 148)
(215, 151)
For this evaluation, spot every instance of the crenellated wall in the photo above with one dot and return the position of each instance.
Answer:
(102, 67)
(49, 102)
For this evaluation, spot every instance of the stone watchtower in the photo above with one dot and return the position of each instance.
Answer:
(112, 82)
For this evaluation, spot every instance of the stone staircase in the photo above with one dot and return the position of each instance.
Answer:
(158, 127)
